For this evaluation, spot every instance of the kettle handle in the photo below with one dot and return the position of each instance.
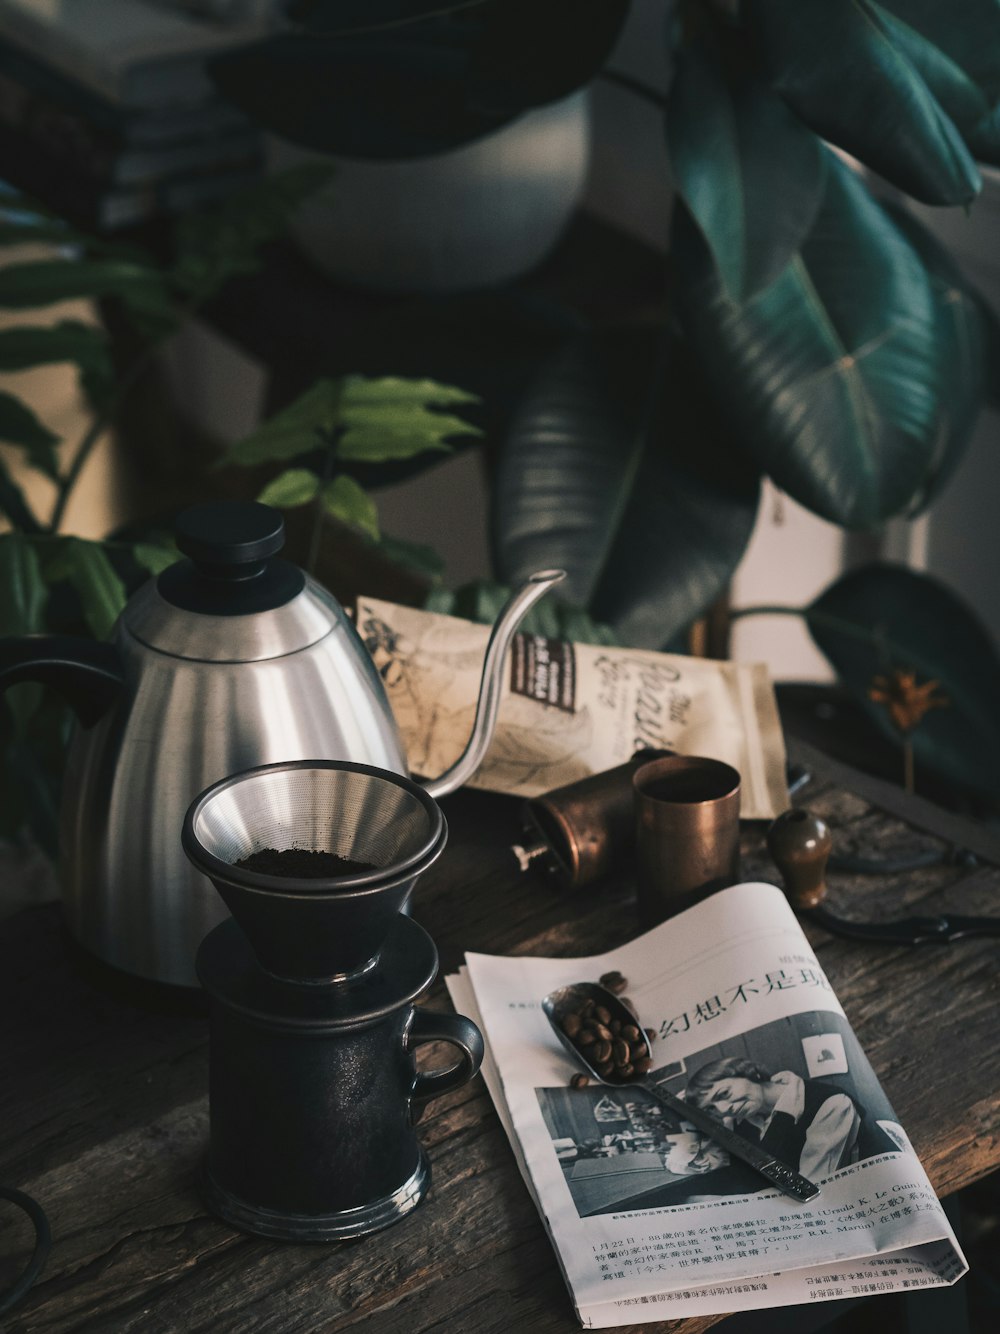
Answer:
(85, 671)
(432, 1026)
(491, 683)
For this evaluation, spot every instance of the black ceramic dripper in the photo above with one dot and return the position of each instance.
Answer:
(313, 1081)
(315, 928)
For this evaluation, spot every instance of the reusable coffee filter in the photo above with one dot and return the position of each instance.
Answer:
(315, 928)
(354, 812)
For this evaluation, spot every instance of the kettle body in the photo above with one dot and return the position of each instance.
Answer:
(237, 692)
(229, 659)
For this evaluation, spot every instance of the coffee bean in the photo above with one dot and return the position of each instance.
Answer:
(626, 1071)
(604, 1069)
(602, 1015)
(571, 1024)
(615, 1026)
(614, 982)
(602, 1052)
(650, 1034)
(585, 1037)
(580, 1081)
(642, 1064)
(630, 1033)
(603, 1033)
(620, 1051)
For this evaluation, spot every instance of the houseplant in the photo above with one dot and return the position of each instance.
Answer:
(814, 333)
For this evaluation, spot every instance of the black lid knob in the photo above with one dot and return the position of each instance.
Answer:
(231, 571)
(230, 539)
(800, 844)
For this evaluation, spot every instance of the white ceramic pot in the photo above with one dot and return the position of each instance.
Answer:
(472, 217)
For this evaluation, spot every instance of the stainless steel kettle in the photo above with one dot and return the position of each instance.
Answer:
(229, 659)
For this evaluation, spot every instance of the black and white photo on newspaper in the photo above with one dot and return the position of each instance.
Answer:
(650, 1219)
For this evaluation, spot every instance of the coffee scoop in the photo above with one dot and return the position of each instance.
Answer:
(581, 1006)
(801, 843)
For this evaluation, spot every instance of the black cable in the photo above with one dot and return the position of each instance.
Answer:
(43, 1244)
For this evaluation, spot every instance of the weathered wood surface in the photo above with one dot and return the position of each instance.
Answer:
(103, 1112)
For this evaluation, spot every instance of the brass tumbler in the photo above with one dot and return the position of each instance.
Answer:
(687, 822)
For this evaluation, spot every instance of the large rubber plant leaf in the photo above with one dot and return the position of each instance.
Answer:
(966, 334)
(838, 68)
(883, 618)
(735, 149)
(13, 503)
(836, 377)
(612, 471)
(409, 89)
(968, 31)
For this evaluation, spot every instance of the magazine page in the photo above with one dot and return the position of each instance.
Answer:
(571, 710)
(649, 1218)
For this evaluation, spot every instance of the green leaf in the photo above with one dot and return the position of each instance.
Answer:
(884, 617)
(838, 377)
(37, 345)
(300, 428)
(965, 331)
(616, 471)
(297, 486)
(42, 282)
(19, 426)
(837, 67)
(970, 37)
(958, 95)
(416, 556)
(102, 593)
(23, 593)
(735, 148)
(391, 418)
(419, 88)
(14, 505)
(382, 419)
(155, 559)
(347, 501)
(23, 598)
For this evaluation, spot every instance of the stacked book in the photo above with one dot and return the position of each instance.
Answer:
(107, 113)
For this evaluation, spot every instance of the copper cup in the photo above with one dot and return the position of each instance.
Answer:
(687, 823)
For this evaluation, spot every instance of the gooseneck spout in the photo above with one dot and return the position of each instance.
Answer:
(86, 672)
(490, 686)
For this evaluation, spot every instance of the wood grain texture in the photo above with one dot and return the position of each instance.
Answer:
(103, 1104)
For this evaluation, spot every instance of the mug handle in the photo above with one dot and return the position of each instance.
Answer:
(432, 1026)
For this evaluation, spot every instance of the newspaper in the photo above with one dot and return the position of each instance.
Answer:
(650, 1220)
(571, 710)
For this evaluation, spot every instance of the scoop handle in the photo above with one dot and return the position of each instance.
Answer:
(787, 1180)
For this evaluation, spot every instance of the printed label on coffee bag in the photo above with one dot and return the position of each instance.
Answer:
(544, 669)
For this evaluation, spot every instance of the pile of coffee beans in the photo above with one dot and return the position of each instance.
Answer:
(616, 1050)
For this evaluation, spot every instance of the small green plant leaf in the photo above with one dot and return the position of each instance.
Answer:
(884, 617)
(37, 345)
(297, 486)
(734, 149)
(101, 591)
(302, 427)
(391, 418)
(23, 591)
(43, 282)
(838, 68)
(19, 426)
(350, 503)
(14, 505)
(154, 559)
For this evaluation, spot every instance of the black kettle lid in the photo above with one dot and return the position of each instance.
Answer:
(231, 568)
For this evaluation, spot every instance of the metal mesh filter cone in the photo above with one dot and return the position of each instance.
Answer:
(364, 816)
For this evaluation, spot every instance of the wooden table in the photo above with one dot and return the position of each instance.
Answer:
(103, 1109)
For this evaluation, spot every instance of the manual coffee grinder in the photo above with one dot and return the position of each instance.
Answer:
(313, 1087)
